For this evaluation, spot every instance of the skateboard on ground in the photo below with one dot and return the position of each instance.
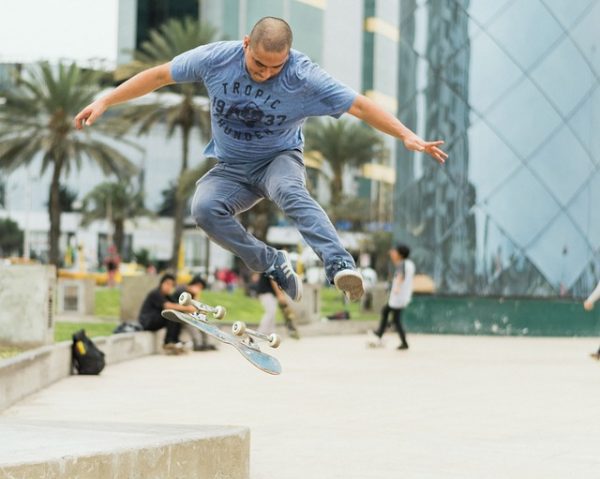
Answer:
(242, 338)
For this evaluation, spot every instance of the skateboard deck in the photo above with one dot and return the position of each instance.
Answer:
(261, 360)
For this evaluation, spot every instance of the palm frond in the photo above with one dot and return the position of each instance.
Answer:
(123, 200)
(343, 143)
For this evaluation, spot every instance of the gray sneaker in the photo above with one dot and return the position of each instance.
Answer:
(282, 272)
(350, 282)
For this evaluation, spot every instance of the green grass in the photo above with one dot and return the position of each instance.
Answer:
(332, 301)
(9, 351)
(63, 330)
(239, 306)
(243, 308)
(108, 302)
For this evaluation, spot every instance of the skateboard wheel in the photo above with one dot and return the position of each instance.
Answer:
(238, 328)
(220, 312)
(185, 299)
(274, 340)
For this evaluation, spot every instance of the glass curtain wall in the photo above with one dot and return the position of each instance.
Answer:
(512, 87)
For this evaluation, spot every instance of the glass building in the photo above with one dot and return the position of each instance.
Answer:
(512, 86)
(151, 14)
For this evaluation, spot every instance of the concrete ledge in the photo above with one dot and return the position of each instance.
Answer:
(126, 346)
(53, 450)
(33, 370)
(334, 327)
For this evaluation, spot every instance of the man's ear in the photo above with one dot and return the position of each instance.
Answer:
(246, 41)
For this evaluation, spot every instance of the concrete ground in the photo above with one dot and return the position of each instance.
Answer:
(451, 407)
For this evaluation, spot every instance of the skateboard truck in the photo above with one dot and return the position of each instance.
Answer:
(239, 329)
(251, 352)
(217, 311)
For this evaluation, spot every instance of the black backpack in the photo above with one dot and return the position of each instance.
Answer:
(87, 358)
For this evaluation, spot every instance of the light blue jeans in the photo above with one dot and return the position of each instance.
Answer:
(228, 190)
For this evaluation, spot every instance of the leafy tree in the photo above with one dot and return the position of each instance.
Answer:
(66, 199)
(354, 210)
(117, 202)
(167, 203)
(172, 38)
(11, 238)
(2, 194)
(36, 122)
(186, 186)
(142, 256)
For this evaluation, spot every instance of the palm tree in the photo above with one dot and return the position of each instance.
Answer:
(117, 202)
(172, 38)
(186, 189)
(66, 199)
(37, 122)
(186, 186)
(342, 142)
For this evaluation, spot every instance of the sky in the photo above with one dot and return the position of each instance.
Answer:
(32, 30)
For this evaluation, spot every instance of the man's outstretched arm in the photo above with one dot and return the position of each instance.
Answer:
(370, 112)
(138, 85)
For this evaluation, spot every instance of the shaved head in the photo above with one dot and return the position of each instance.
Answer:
(271, 34)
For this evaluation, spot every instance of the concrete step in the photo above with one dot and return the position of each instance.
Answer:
(76, 450)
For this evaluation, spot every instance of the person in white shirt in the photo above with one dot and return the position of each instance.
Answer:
(588, 304)
(400, 293)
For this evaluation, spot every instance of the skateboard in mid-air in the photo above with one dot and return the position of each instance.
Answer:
(244, 339)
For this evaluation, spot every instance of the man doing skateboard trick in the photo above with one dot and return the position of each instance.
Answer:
(261, 91)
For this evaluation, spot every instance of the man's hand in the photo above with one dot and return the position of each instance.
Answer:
(415, 143)
(89, 114)
(370, 112)
(588, 305)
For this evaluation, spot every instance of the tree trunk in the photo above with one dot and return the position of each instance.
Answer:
(180, 202)
(54, 214)
(177, 230)
(336, 186)
(119, 226)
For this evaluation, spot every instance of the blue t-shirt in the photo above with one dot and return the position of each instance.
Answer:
(252, 121)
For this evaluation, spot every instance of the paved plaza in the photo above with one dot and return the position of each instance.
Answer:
(451, 407)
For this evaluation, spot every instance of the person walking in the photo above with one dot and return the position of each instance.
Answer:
(271, 298)
(261, 92)
(400, 295)
(112, 262)
(588, 305)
